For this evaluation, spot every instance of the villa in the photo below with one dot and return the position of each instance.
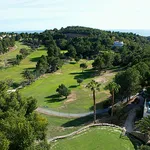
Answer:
(118, 44)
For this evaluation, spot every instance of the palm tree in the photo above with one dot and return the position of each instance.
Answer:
(93, 85)
(113, 87)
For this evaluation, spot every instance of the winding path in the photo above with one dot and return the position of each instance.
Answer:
(129, 123)
(68, 115)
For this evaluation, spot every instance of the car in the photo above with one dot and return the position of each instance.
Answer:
(148, 107)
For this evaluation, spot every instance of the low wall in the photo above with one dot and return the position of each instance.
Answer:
(84, 128)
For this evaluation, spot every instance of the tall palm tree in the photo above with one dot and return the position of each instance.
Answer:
(113, 87)
(94, 86)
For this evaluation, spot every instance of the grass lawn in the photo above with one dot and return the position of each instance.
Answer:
(95, 138)
(56, 126)
(12, 54)
(80, 99)
(44, 89)
(15, 72)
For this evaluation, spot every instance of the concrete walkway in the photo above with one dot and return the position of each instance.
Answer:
(129, 123)
(68, 115)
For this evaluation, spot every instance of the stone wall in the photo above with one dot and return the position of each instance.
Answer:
(83, 129)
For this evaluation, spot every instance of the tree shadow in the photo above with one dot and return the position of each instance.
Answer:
(72, 62)
(73, 86)
(80, 121)
(35, 59)
(30, 68)
(102, 105)
(54, 98)
(117, 69)
(83, 120)
(15, 85)
(89, 73)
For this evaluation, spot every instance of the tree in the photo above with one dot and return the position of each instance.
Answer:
(98, 64)
(129, 82)
(53, 50)
(144, 147)
(77, 59)
(83, 66)
(94, 86)
(143, 69)
(20, 126)
(72, 51)
(29, 76)
(144, 125)
(24, 52)
(113, 87)
(54, 63)
(63, 90)
(18, 59)
(42, 65)
(79, 80)
(4, 142)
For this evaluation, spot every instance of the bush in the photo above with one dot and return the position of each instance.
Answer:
(79, 80)
(63, 90)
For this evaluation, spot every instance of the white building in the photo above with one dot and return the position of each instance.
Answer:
(118, 44)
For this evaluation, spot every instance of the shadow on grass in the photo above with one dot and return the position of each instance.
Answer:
(54, 98)
(72, 62)
(80, 121)
(102, 105)
(15, 85)
(89, 73)
(73, 86)
(117, 68)
(35, 59)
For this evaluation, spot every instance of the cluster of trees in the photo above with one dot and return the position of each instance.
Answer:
(133, 79)
(20, 126)
(23, 53)
(5, 43)
(103, 61)
(88, 43)
(52, 62)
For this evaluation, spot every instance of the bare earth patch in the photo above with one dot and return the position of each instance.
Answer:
(102, 78)
(72, 97)
(58, 72)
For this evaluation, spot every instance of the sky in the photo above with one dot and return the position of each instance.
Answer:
(20, 15)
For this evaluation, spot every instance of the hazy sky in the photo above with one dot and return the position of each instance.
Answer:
(18, 15)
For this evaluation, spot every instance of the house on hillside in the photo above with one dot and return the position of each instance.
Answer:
(118, 44)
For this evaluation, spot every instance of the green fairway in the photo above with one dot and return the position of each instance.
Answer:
(56, 128)
(12, 53)
(44, 88)
(95, 138)
(80, 99)
(15, 72)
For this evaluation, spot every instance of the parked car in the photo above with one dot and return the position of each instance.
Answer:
(148, 107)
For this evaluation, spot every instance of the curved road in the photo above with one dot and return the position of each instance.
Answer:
(68, 115)
(129, 123)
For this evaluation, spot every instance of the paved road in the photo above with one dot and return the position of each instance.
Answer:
(129, 123)
(68, 115)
